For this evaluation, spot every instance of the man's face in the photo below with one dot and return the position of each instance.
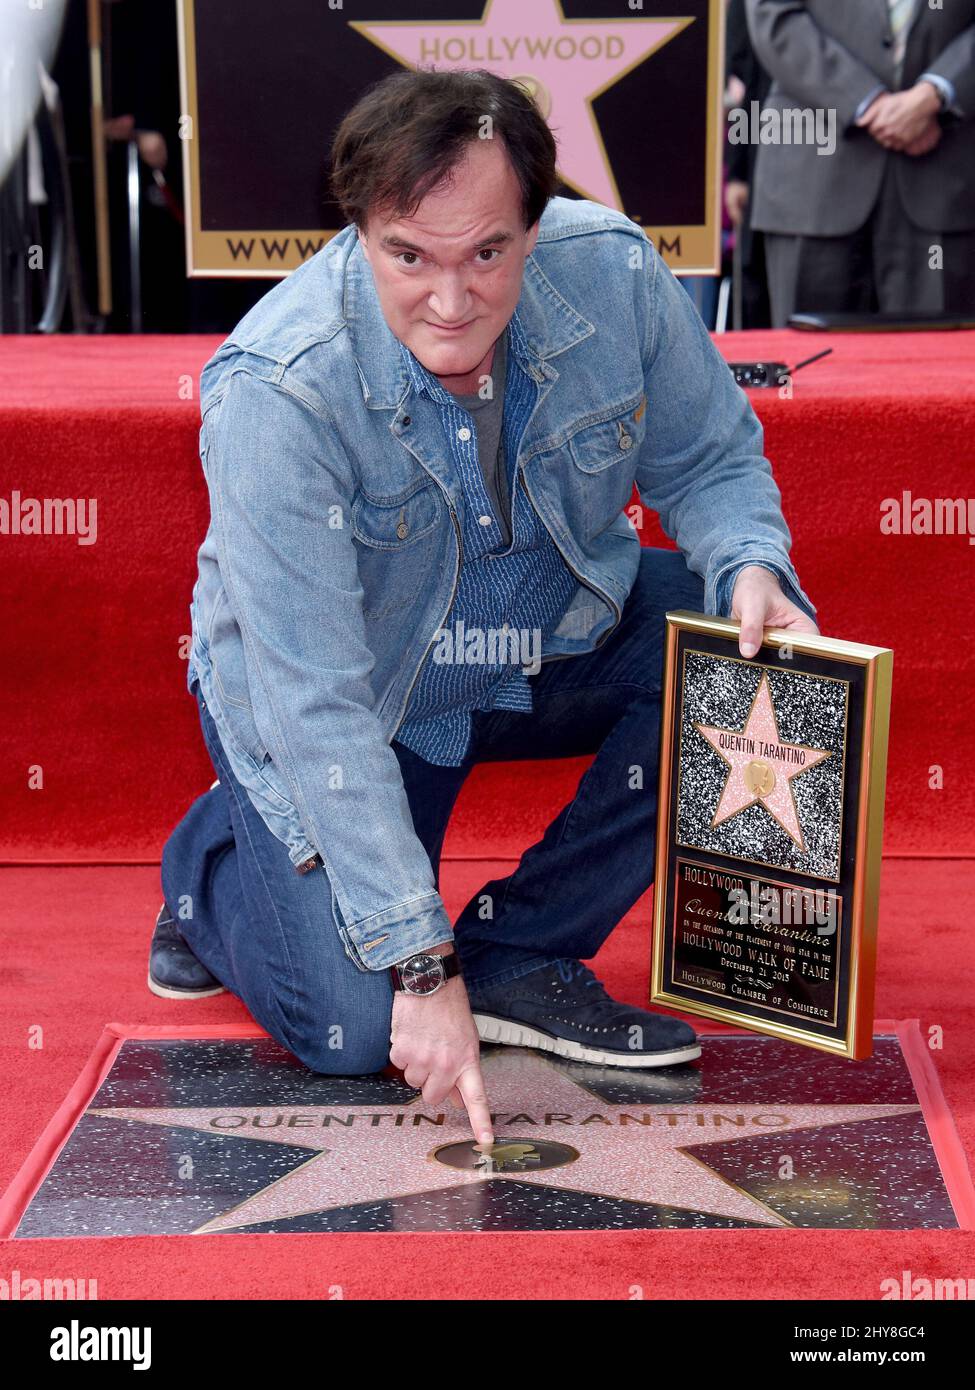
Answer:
(449, 277)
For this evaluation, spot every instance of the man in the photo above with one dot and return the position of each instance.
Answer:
(376, 503)
(744, 70)
(887, 220)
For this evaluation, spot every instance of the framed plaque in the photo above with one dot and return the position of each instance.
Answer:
(771, 802)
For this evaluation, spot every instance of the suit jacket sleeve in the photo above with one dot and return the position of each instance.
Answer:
(957, 64)
(809, 64)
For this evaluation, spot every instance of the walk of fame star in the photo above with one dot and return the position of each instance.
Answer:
(566, 64)
(638, 1152)
(761, 767)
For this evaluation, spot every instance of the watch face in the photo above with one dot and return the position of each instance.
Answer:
(422, 974)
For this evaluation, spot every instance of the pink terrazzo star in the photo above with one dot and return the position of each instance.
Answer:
(761, 766)
(374, 1153)
(568, 64)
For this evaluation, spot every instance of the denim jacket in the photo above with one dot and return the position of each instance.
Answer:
(334, 546)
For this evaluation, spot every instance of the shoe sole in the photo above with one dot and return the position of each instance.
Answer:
(167, 991)
(503, 1030)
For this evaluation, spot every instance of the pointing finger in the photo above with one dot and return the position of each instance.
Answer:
(471, 1087)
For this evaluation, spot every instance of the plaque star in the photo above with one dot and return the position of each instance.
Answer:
(760, 766)
(565, 63)
(372, 1153)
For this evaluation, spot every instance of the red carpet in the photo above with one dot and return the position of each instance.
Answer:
(93, 712)
(93, 692)
(74, 945)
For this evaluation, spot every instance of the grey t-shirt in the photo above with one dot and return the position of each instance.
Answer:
(488, 415)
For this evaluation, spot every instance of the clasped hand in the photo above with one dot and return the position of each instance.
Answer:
(905, 121)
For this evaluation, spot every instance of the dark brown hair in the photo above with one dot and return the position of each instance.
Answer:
(407, 131)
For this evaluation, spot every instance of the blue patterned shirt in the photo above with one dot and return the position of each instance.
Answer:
(507, 600)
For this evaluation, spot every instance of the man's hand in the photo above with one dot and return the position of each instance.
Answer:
(758, 601)
(152, 145)
(118, 127)
(152, 148)
(435, 1044)
(898, 120)
(926, 142)
(736, 200)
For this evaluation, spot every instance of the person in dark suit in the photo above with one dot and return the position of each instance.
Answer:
(742, 63)
(886, 221)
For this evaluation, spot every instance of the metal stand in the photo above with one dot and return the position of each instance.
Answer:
(14, 249)
(132, 186)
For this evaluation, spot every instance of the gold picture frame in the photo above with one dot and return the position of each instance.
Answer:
(771, 786)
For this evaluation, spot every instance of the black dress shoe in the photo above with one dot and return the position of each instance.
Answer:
(174, 971)
(564, 1008)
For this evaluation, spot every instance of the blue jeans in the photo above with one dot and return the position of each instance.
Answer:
(268, 933)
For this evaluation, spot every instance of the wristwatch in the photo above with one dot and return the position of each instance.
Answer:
(424, 973)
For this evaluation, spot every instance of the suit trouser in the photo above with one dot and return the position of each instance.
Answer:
(884, 266)
(269, 934)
